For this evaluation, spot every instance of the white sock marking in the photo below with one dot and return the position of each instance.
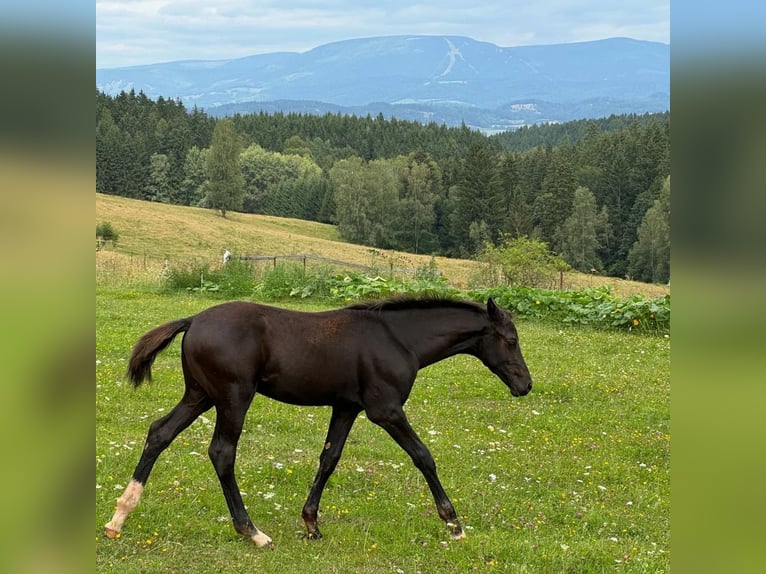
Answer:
(125, 505)
(261, 540)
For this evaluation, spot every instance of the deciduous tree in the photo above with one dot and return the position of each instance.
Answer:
(649, 258)
(225, 187)
(577, 239)
(158, 188)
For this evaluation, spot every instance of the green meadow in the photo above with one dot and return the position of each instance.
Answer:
(574, 477)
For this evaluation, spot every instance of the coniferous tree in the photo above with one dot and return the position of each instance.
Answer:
(508, 180)
(328, 207)
(533, 165)
(476, 198)
(554, 203)
(518, 222)
(110, 166)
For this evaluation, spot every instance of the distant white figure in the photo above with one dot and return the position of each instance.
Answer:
(226, 256)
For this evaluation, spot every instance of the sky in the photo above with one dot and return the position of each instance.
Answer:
(135, 32)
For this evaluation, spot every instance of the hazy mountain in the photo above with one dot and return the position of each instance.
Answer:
(447, 79)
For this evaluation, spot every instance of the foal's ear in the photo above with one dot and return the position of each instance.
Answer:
(492, 309)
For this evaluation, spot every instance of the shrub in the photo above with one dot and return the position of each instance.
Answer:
(521, 261)
(106, 233)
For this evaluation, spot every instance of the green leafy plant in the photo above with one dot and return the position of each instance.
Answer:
(235, 279)
(287, 280)
(596, 307)
(356, 286)
(353, 286)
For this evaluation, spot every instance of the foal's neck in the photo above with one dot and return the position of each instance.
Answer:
(435, 334)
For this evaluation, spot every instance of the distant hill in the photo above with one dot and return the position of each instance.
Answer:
(446, 79)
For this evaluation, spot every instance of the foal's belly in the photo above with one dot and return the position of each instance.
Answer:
(307, 389)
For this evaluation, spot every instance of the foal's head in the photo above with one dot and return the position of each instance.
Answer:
(498, 348)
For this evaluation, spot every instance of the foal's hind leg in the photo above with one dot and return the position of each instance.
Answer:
(161, 434)
(223, 452)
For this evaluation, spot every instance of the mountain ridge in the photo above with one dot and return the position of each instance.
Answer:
(448, 79)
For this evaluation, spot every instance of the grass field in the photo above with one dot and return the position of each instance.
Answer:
(573, 477)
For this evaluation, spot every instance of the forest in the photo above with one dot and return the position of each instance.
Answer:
(597, 192)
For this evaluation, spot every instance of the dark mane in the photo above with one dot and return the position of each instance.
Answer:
(405, 303)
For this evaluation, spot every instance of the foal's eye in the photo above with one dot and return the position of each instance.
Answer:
(511, 343)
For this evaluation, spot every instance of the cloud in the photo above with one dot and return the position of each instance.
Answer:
(149, 31)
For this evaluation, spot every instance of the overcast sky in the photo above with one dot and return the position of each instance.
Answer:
(131, 32)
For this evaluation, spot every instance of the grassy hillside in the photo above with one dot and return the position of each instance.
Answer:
(152, 233)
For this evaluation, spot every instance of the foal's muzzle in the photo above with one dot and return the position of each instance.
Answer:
(516, 392)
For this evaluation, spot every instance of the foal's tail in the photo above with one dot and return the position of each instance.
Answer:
(149, 346)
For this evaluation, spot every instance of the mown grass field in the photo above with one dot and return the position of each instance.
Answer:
(574, 477)
(152, 233)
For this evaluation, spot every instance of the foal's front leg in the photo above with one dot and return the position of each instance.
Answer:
(395, 423)
(340, 425)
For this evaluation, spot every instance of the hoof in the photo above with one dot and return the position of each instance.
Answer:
(456, 531)
(315, 535)
(262, 541)
(111, 532)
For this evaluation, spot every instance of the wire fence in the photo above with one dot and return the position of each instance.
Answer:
(304, 257)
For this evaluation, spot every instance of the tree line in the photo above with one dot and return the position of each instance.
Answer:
(597, 192)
